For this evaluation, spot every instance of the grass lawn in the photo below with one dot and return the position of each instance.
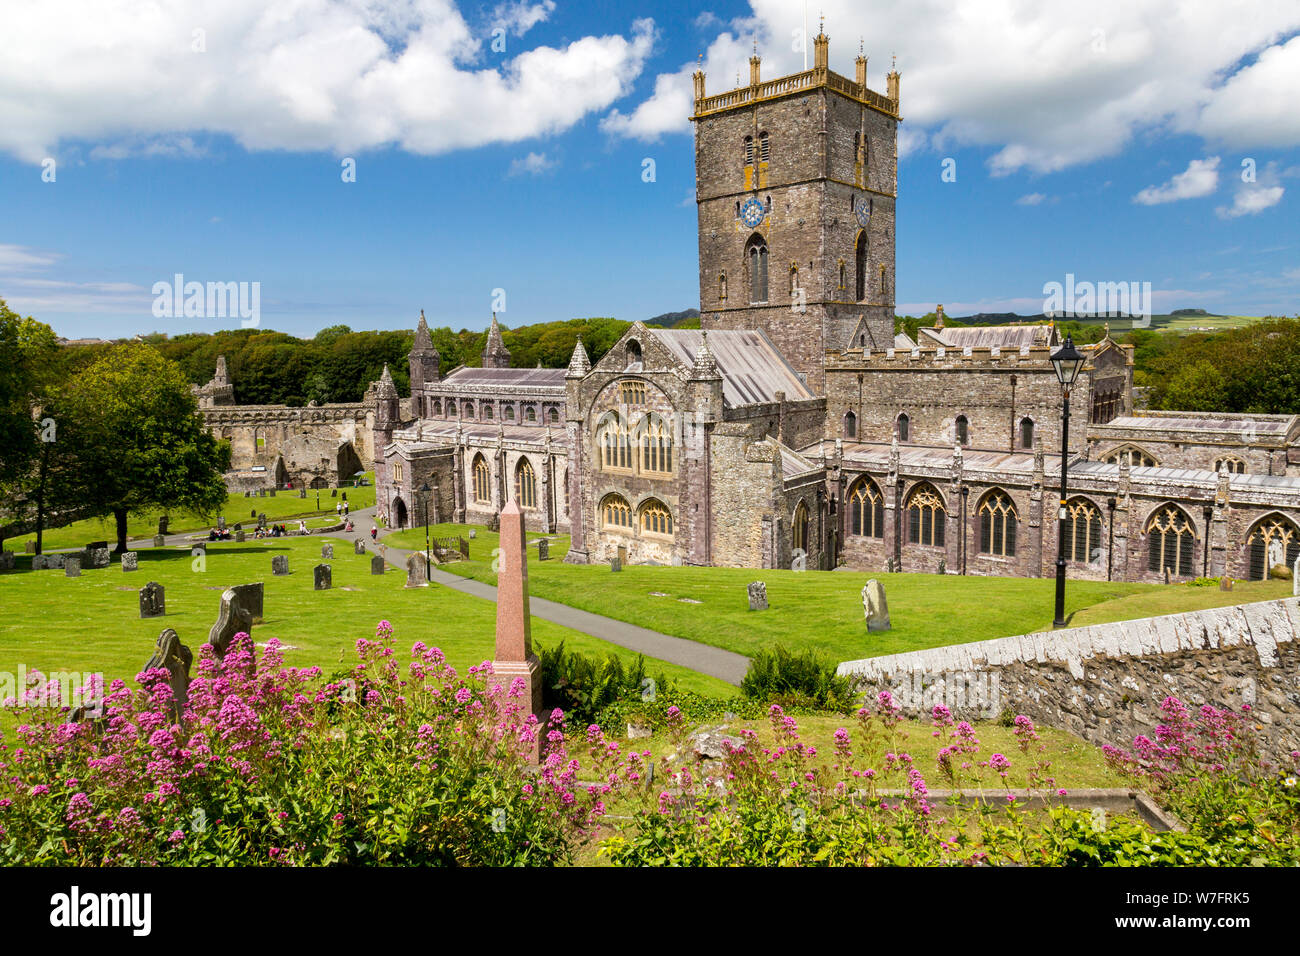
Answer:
(92, 623)
(823, 609)
(285, 506)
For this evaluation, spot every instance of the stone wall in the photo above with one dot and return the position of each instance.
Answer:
(1105, 683)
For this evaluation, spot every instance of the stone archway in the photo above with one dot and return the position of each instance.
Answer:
(399, 513)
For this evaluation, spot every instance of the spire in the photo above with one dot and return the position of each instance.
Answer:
(222, 377)
(386, 388)
(495, 353)
(423, 341)
(579, 363)
(386, 377)
(706, 366)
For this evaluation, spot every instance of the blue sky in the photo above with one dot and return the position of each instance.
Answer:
(1108, 143)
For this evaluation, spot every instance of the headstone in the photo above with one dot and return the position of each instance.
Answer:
(473, 533)
(239, 536)
(162, 525)
(514, 658)
(221, 522)
(261, 520)
(100, 557)
(302, 492)
(889, 565)
(252, 513)
(270, 492)
(237, 526)
(248, 494)
(198, 546)
(261, 492)
(280, 565)
(1166, 575)
(96, 544)
(358, 546)
(874, 606)
(494, 523)
(6, 560)
(159, 541)
(54, 562)
(327, 552)
(615, 564)
(334, 492)
(30, 547)
(757, 596)
(415, 577)
(130, 561)
(153, 600)
(38, 562)
(543, 549)
(232, 618)
(72, 567)
(251, 596)
(1225, 583)
(174, 657)
(943, 566)
(377, 565)
(322, 576)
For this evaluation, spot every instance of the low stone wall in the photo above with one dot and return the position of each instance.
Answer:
(1105, 682)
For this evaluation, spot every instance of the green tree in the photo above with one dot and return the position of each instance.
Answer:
(141, 438)
(1199, 387)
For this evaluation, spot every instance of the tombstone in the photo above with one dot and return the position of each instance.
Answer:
(327, 552)
(358, 546)
(270, 492)
(415, 577)
(175, 658)
(615, 564)
(251, 597)
(334, 492)
(248, 494)
(130, 561)
(889, 565)
(280, 565)
(1225, 583)
(302, 491)
(473, 533)
(30, 547)
(232, 618)
(239, 536)
(96, 544)
(159, 541)
(261, 520)
(1166, 575)
(377, 565)
(874, 606)
(162, 525)
(6, 560)
(261, 492)
(494, 523)
(943, 566)
(514, 659)
(198, 546)
(757, 596)
(221, 522)
(252, 513)
(99, 557)
(72, 567)
(38, 562)
(322, 575)
(153, 600)
(237, 526)
(54, 562)
(543, 549)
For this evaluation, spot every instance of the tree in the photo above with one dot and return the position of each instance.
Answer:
(140, 436)
(27, 350)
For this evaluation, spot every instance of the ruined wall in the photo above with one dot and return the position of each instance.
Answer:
(258, 433)
(1106, 682)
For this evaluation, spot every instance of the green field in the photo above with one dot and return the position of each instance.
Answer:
(823, 609)
(92, 623)
(1176, 323)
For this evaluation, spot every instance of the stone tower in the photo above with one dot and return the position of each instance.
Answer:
(424, 363)
(217, 392)
(495, 353)
(795, 186)
(388, 416)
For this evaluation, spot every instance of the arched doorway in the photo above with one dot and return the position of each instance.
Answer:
(399, 513)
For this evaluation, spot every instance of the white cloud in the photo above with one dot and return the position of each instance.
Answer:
(1031, 199)
(519, 18)
(1048, 85)
(338, 75)
(1200, 178)
(20, 258)
(179, 146)
(534, 164)
(1254, 197)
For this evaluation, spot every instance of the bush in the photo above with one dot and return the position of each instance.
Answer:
(804, 678)
(584, 686)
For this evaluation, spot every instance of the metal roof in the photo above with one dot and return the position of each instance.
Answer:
(1208, 423)
(989, 336)
(752, 368)
(522, 377)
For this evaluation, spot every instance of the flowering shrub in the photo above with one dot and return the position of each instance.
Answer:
(395, 764)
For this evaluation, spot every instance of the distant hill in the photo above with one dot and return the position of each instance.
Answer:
(686, 319)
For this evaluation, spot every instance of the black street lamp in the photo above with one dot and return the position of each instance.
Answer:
(1067, 360)
(424, 493)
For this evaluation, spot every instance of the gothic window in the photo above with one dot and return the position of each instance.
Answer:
(722, 287)
(763, 151)
(1136, 457)
(866, 509)
(1082, 530)
(555, 416)
(525, 484)
(633, 354)
(656, 447)
(799, 528)
(840, 265)
(467, 410)
(904, 428)
(482, 480)
(615, 512)
(756, 254)
(487, 413)
(437, 407)
(794, 280)
(1234, 466)
(963, 430)
(656, 518)
(530, 415)
(925, 516)
(1272, 542)
(883, 290)
(749, 150)
(850, 425)
(997, 526)
(631, 392)
(397, 472)
(1026, 433)
(1171, 540)
(615, 444)
(860, 265)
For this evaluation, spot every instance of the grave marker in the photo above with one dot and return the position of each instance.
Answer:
(153, 600)
(757, 596)
(322, 575)
(130, 561)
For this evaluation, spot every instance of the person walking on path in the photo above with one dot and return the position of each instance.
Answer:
(374, 531)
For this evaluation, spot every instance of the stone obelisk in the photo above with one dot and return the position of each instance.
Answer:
(514, 650)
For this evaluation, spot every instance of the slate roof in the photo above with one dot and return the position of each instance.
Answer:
(753, 370)
(522, 377)
(989, 336)
(1261, 425)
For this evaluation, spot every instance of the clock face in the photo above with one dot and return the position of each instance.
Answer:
(864, 214)
(751, 213)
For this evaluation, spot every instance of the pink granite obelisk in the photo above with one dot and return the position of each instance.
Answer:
(514, 650)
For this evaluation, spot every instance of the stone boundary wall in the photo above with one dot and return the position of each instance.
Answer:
(1105, 682)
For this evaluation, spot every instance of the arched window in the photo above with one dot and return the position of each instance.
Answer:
(860, 265)
(749, 150)
(437, 407)
(467, 410)
(555, 416)
(482, 480)
(763, 154)
(1171, 541)
(842, 275)
(615, 444)
(1026, 433)
(656, 447)
(850, 425)
(656, 518)
(508, 413)
(882, 280)
(631, 392)
(866, 509)
(963, 430)
(1136, 457)
(799, 528)
(997, 526)
(487, 413)
(904, 428)
(616, 513)
(633, 354)
(1082, 530)
(925, 516)
(722, 287)
(756, 256)
(794, 279)
(1272, 541)
(530, 414)
(525, 484)
(1233, 466)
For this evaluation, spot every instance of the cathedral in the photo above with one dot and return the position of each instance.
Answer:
(797, 430)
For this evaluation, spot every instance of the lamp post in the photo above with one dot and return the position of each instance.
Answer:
(1067, 360)
(424, 493)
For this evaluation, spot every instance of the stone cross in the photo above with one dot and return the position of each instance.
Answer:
(280, 564)
(153, 600)
(130, 561)
(323, 576)
(514, 656)
(874, 606)
(757, 596)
